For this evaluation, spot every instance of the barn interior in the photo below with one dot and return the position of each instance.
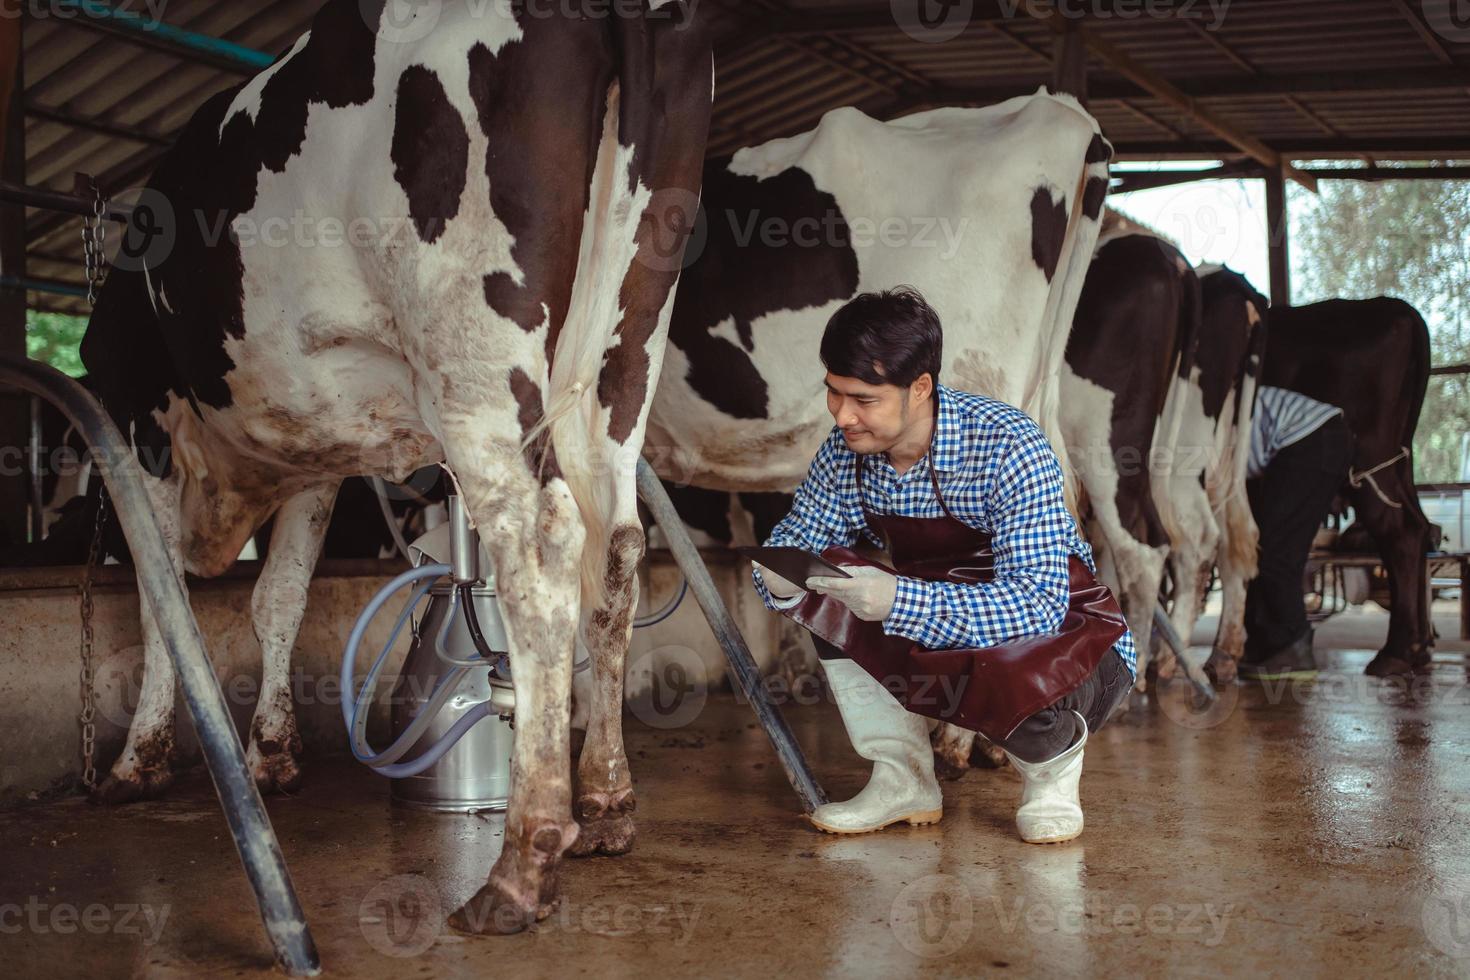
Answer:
(1302, 825)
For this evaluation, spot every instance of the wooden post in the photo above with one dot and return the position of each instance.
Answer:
(1279, 259)
(1069, 61)
(14, 407)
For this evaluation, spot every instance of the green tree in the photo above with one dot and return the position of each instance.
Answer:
(1409, 239)
(54, 338)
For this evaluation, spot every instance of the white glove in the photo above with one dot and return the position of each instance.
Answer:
(870, 593)
(780, 588)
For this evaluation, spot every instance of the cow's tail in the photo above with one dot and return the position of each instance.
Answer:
(644, 182)
(571, 411)
(1084, 223)
(1232, 508)
(1182, 363)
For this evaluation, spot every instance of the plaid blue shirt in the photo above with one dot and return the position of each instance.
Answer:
(997, 473)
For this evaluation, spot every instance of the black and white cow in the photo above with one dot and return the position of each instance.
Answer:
(1202, 499)
(991, 213)
(1133, 338)
(454, 238)
(1371, 359)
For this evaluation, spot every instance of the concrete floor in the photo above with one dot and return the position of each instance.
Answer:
(1305, 830)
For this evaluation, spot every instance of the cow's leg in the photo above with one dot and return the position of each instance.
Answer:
(604, 799)
(277, 608)
(1236, 559)
(1402, 534)
(533, 534)
(1196, 539)
(145, 767)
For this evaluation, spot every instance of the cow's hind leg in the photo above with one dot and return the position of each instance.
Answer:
(277, 608)
(1402, 534)
(533, 533)
(1237, 564)
(952, 746)
(604, 799)
(145, 768)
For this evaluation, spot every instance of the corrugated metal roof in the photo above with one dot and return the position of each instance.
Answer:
(1309, 77)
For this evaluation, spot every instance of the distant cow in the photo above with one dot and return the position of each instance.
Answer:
(488, 196)
(991, 213)
(1371, 359)
(1134, 334)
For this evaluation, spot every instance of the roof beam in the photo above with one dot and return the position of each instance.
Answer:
(1166, 92)
(1429, 38)
(1410, 148)
(1263, 86)
(116, 130)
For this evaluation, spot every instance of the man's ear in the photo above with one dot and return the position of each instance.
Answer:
(923, 385)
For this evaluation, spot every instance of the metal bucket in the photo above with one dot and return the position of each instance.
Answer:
(475, 773)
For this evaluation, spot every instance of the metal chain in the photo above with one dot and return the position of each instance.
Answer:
(94, 242)
(89, 703)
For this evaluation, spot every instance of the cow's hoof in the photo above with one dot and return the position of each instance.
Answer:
(985, 754)
(494, 911)
(274, 766)
(1221, 668)
(133, 786)
(522, 886)
(947, 769)
(606, 822)
(142, 772)
(1387, 664)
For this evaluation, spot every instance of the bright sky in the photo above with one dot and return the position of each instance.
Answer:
(1217, 221)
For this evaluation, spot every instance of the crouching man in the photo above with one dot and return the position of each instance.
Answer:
(988, 617)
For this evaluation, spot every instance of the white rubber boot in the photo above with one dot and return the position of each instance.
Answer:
(1051, 809)
(902, 787)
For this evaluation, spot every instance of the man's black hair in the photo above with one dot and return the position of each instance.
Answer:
(888, 337)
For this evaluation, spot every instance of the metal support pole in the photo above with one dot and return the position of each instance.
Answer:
(1171, 636)
(250, 826)
(1069, 62)
(14, 410)
(1279, 258)
(742, 665)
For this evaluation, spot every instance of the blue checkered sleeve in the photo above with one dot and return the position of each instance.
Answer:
(1032, 531)
(819, 518)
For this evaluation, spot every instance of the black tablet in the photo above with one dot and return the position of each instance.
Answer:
(793, 564)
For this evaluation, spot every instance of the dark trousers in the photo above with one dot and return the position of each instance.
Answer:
(1050, 731)
(1289, 502)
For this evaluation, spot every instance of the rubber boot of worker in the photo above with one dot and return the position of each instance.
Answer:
(902, 786)
(1051, 810)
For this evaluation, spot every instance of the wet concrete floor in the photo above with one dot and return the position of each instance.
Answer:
(1307, 829)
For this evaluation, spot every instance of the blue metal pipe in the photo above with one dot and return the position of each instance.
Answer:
(153, 31)
(42, 286)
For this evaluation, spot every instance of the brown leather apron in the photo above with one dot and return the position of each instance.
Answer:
(990, 690)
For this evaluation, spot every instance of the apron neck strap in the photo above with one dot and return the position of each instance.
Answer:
(933, 475)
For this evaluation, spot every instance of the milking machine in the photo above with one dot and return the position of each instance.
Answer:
(453, 704)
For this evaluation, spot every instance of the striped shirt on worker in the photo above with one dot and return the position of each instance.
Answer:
(1281, 418)
(998, 474)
